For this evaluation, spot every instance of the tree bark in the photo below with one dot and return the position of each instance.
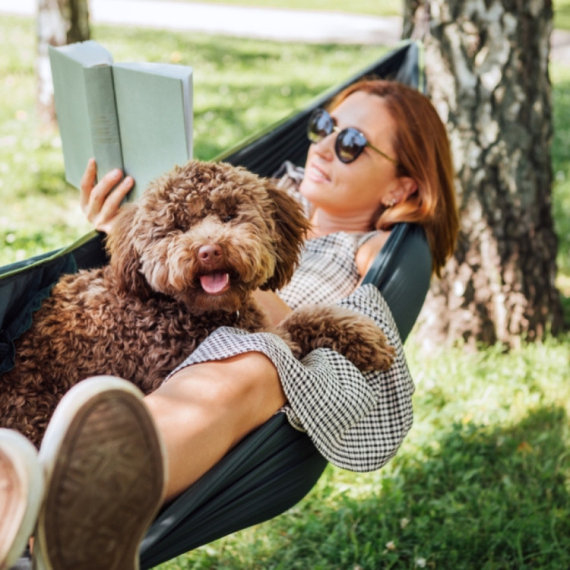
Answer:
(59, 22)
(487, 75)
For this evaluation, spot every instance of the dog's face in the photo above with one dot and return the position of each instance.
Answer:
(207, 234)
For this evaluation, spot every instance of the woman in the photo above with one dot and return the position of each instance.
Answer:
(380, 157)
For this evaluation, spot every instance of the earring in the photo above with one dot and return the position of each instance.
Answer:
(391, 203)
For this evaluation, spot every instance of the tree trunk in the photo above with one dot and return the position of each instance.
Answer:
(59, 22)
(487, 74)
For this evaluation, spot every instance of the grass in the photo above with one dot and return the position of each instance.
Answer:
(482, 481)
(371, 7)
(561, 14)
(561, 170)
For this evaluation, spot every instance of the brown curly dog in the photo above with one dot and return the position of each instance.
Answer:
(184, 261)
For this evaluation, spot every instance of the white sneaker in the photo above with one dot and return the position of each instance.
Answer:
(105, 473)
(21, 493)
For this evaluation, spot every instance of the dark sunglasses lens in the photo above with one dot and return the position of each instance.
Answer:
(320, 126)
(349, 144)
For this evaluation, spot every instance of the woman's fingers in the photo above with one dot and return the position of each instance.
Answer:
(100, 202)
(100, 192)
(110, 208)
(87, 182)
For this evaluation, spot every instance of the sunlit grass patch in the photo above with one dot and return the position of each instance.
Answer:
(561, 14)
(372, 7)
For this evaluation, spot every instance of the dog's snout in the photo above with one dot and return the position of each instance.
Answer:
(210, 253)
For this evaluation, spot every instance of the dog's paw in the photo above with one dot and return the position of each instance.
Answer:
(354, 336)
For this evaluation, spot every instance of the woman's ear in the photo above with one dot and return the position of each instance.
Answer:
(404, 187)
(408, 187)
(124, 256)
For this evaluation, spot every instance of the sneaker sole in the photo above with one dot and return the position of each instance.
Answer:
(21, 493)
(104, 468)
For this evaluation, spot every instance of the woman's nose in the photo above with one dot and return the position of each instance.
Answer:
(325, 147)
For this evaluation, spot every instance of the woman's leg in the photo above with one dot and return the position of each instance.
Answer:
(205, 409)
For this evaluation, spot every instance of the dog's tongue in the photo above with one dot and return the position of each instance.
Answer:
(214, 282)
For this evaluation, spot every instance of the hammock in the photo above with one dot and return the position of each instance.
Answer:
(275, 466)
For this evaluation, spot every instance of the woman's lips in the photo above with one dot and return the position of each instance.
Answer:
(316, 174)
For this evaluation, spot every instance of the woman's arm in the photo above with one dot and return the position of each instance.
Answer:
(100, 202)
(275, 309)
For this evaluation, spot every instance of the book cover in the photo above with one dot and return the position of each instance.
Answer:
(84, 102)
(133, 116)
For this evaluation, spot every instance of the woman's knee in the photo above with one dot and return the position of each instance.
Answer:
(242, 380)
(254, 377)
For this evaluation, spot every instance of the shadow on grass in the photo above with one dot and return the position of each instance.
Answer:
(480, 498)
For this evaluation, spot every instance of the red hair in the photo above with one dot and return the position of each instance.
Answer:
(422, 149)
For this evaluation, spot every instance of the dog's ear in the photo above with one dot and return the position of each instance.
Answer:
(124, 256)
(291, 227)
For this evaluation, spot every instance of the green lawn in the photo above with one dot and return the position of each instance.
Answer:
(372, 7)
(561, 14)
(483, 479)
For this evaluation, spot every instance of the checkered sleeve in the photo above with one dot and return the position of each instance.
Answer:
(356, 421)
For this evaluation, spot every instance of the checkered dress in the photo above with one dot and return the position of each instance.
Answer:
(357, 421)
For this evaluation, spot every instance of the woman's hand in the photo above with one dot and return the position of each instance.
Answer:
(100, 202)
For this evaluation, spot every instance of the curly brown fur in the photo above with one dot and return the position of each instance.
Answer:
(164, 291)
(345, 331)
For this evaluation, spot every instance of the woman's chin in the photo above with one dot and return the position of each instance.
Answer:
(314, 191)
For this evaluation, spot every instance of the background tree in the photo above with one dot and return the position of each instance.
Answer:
(487, 71)
(59, 22)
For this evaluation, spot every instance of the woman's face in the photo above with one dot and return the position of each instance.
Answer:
(360, 187)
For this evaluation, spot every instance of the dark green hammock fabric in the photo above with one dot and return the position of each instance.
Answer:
(275, 466)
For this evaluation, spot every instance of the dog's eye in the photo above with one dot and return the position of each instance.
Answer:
(227, 218)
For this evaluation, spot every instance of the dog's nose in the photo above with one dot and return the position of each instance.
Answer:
(210, 253)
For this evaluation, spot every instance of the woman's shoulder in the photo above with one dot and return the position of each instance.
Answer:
(367, 252)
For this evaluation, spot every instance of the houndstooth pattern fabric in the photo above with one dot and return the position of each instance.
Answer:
(356, 421)
(328, 264)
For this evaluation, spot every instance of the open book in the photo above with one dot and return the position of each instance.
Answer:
(132, 116)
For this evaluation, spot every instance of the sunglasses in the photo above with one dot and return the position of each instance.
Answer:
(349, 143)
